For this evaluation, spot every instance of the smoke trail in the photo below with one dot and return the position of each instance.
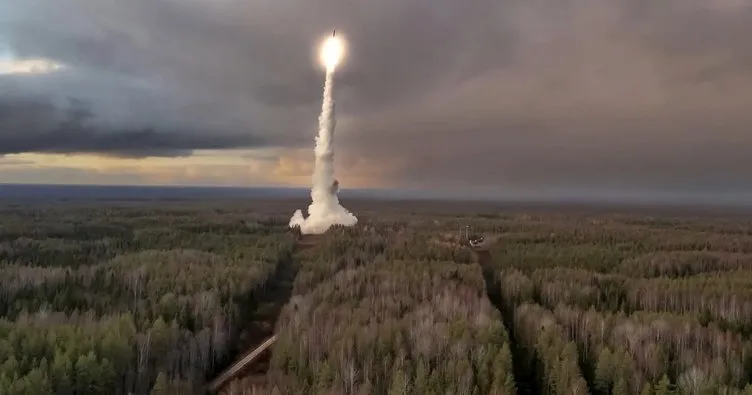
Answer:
(325, 209)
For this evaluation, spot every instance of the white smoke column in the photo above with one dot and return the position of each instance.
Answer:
(325, 209)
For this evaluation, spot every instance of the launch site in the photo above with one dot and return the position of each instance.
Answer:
(521, 197)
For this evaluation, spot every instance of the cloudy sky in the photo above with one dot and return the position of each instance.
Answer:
(500, 97)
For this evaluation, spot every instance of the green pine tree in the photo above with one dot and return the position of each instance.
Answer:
(664, 386)
(86, 375)
(37, 382)
(420, 383)
(603, 372)
(61, 373)
(620, 387)
(161, 386)
(398, 384)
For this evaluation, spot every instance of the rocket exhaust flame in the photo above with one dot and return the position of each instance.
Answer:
(325, 209)
(332, 51)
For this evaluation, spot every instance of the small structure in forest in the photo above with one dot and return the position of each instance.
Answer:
(474, 240)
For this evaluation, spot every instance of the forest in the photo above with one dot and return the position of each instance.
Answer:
(156, 297)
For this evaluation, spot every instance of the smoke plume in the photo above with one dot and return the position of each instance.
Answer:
(325, 209)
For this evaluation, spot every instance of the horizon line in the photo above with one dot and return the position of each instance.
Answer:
(615, 198)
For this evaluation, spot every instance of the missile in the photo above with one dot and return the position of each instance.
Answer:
(334, 32)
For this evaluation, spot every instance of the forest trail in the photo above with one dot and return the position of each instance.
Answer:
(264, 307)
(524, 378)
(241, 365)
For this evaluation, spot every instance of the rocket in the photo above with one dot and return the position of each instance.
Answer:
(334, 32)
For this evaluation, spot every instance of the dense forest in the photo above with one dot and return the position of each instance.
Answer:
(132, 299)
(159, 297)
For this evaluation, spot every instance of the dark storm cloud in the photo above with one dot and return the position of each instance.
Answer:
(514, 93)
(37, 125)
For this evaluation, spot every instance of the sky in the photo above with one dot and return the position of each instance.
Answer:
(492, 97)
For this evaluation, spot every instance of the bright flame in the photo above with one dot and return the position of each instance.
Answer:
(332, 51)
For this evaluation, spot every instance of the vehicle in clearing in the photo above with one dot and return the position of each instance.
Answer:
(476, 241)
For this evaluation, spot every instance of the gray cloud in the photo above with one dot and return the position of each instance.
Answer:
(513, 94)
(38, 125)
